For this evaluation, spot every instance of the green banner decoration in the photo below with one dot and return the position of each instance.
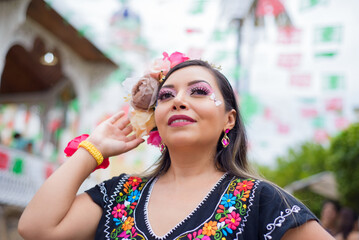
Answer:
(325, 54)
(74, 105)
(307, 4)
(95, 95)
(318, 122)
(67, 16)
(58, 133)
(219, 35)
(333, 82)
(198, 7)
(18, 166)
(220, 56)
(49, 4)
(119, 75)
(86, 31)
(249, 107)
(328, 34)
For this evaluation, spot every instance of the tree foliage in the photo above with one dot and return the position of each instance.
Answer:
(344, 162)
(308, 159)
(300, 163)
(340, 157)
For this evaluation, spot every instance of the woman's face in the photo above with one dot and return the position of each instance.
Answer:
(190, 109)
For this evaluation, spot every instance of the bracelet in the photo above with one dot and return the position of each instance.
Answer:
(96, 154)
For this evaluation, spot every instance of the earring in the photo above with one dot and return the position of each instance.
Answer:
(225, 140)
(162, 147)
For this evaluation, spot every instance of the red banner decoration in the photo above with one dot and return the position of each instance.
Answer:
(334, 104)
(195, 53)
(289, 60)
(27, 116)
(268, 114)
(48, 170)
(341, 123)
(283, 128)
(289, 35)
(300, 80)
(309, 112)
(193, 30)
(54, 125)
(269, 7)
(4, 161)
(320, 136)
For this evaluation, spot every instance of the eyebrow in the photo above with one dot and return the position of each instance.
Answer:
(189, 84)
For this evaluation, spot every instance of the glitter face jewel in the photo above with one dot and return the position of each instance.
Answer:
(216, 101)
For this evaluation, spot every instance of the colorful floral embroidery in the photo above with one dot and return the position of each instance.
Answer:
(230, 212)
(123, 208)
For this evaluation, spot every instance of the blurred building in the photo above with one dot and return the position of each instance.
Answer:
(45, 65)
(297, 73)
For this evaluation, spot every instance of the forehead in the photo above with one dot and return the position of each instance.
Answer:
(191, 73)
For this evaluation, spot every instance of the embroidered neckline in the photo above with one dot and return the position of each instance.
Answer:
(147, 222)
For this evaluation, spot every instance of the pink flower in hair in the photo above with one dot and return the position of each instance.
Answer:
(158, 66)
(175, 58)
(154, 138)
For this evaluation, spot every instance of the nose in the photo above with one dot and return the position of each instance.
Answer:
(179, 102)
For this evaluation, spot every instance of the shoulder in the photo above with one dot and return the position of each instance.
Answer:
(353, 235)
(272, 210)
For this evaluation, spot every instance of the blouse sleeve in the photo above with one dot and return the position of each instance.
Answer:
(279, 212)
(100, 193)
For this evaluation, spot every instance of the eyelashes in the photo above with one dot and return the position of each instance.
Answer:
(198, 89)
(166, 93)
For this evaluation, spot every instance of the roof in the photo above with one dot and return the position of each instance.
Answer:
(24, 73)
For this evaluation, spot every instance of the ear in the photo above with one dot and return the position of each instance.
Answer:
(230, 119)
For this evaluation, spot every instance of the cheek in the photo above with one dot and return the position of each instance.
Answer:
(159, 115)
(210, 112)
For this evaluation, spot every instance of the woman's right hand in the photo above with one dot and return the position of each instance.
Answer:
(112, 137)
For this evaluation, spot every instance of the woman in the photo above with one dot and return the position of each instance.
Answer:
(200, 189)
(329, 216)
(347, 228)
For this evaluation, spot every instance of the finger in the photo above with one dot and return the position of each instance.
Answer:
(122, 124)
(116, 116)
(131, 138)
(134, 143)
(127, 130)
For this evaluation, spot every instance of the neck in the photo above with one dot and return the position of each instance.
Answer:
(192, 163)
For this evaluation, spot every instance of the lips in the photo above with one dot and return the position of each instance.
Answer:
(180, 120)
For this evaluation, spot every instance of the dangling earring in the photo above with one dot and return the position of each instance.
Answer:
(162, 147)
(225, 140)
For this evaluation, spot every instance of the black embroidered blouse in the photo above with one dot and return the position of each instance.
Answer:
(235, 208)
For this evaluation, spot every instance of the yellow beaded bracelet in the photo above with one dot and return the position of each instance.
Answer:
(96, 154)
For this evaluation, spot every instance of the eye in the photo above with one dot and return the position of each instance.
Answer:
(165, 94)
(200, 91)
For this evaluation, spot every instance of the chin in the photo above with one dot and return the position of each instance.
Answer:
(181, 141)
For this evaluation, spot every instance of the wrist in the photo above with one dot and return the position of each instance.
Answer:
(95, 153)
(94, 150)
